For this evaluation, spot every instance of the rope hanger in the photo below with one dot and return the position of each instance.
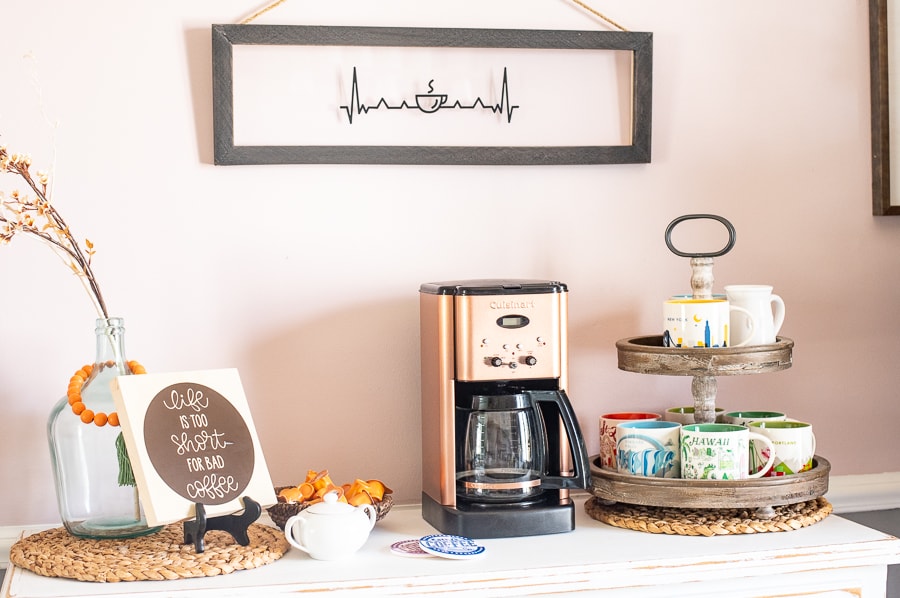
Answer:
(262, 11)
(598, 14)
(277, 3)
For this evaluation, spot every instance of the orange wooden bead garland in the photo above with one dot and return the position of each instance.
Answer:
(76, 382)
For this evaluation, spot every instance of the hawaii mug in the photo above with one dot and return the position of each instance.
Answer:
(720, 452)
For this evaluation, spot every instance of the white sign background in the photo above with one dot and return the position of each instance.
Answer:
(133, 396)
(292, 95)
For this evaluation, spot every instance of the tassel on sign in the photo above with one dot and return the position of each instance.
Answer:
(126, 474)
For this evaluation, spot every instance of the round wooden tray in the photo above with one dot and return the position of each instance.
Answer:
(710, 494)
(646, 355)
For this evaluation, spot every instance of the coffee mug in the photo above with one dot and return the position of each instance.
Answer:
(649, 448)
(608, 437)
(684, 296)
(685, 415)
(699, 322)
(745, 418)
(795, 446)
(720, 452)
(766, 307)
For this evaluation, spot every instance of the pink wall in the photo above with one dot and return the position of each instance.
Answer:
(305, 278)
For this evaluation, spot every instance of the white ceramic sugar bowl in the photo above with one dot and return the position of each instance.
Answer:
(330, 530)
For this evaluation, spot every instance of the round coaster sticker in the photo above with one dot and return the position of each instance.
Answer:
(450, 547)
(408, 548)
(198, 443)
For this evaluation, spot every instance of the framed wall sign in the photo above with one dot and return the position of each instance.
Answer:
(885, 153)
(377, 95)
(191, 439)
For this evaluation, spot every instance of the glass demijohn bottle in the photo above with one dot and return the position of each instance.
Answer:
(86, 457)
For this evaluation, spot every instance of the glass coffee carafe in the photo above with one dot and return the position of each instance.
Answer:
(503, 453)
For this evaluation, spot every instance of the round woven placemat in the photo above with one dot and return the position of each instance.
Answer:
(163, 555)
(707, 522)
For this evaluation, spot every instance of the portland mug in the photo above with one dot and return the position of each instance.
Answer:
(794, 445)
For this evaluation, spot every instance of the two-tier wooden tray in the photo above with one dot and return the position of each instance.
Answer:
(647, 355)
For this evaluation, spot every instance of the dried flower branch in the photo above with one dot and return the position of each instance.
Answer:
(33, 214)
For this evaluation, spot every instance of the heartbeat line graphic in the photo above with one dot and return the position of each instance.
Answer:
(428, 103)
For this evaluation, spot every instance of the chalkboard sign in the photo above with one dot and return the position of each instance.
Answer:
(191, 440)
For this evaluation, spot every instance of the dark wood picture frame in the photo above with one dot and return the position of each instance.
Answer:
(224, 37)
(881, 140)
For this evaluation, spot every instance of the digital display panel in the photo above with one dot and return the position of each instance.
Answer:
(512, 321)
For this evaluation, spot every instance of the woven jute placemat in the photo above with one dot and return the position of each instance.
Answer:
(707, 522)
(163, 555)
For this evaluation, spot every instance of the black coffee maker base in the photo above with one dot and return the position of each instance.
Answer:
(549, 516)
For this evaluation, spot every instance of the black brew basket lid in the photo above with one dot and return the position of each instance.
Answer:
(499, 286)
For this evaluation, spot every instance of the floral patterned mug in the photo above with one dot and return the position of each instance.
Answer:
(608, 437)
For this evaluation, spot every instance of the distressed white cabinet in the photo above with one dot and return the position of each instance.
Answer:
(834, 557)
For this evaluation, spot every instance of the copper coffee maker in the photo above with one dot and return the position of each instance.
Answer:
(501, 447)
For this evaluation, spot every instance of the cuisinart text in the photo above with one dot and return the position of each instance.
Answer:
(512, 304)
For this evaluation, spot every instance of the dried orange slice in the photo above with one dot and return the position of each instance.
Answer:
(319, 483)
(360, 498)
(291, 494)
(306, 490)
(377, 489)
(322, 480)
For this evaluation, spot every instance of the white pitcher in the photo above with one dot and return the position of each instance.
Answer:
(766, 307)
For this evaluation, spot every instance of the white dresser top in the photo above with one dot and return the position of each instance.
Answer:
(594, 557)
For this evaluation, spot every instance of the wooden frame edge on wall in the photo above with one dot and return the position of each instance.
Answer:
(881, 140)
(224, 37)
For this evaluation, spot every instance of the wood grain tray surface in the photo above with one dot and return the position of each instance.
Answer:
(710, 494)
(646, 355)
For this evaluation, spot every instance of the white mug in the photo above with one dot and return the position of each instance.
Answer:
(701, 323)
(766, 307)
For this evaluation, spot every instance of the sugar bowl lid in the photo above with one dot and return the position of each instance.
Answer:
(331, 506)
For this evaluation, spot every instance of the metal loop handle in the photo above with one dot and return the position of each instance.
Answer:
(723, 251)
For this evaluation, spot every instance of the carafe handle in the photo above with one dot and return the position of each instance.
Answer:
(576, 442)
